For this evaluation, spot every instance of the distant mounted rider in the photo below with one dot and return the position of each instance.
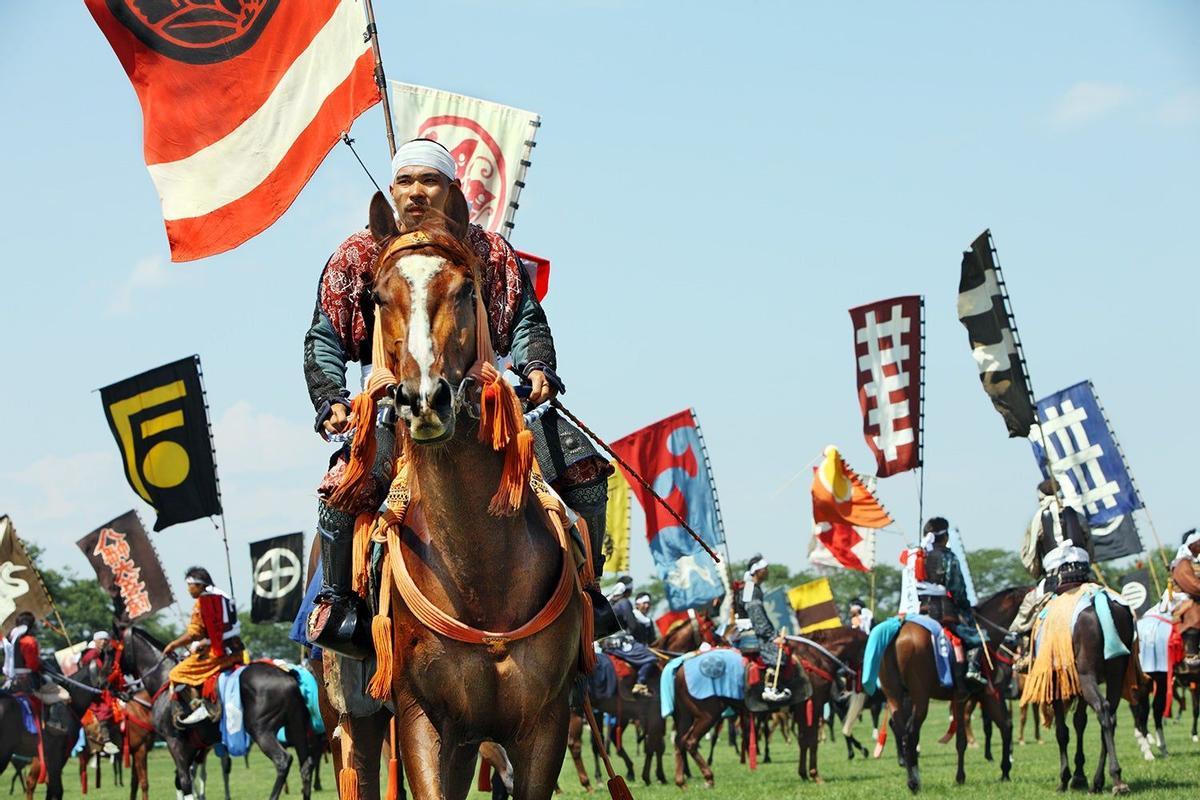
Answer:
(769, 639)
(23, 670)
(215, 636)
(1185, 575)
(860, 616)
(1057, 551)
(943, 594)
(632, 645)
(425, 189)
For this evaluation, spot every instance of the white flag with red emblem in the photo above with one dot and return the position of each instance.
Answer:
(888, 349)
(490, 143)
(840, 545)
(241, 101)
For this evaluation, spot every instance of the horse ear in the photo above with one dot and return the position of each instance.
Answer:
(383, 220)
(458, 213)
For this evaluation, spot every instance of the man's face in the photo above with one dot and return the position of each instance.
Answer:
(643, 606)
(102, 644)
(761, 575)
(415, 191)
(195, 589)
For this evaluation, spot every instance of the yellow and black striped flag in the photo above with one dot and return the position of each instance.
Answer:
(160, 422)
(815, 609)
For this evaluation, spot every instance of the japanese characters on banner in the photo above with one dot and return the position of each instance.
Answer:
(21, 588)
(1087, 462)
(240, 103)
(984, 311)
(888, 352)
(277, 570)
(127, 566)
(159, 420)
(491, 143)
(670, 455)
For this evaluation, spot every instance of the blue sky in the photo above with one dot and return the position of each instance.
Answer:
(716, 185)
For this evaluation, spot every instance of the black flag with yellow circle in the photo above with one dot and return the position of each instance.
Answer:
(160, 422)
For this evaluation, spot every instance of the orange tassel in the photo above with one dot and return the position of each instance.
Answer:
(348, 784)
(514, 479)
(362, 452)
(381, 634)
(359, 555)
(393, 783)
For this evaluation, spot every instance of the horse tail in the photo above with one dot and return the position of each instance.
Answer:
(881, 637)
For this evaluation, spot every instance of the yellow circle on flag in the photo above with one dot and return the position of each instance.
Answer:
(166, 465)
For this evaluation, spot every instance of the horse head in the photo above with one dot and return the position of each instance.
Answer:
(142, 656)
(428, 309)
(1000, 609)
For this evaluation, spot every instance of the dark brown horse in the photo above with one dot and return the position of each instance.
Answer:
(475, 569)
(59, 732)
(1087, 641)
(827, 654)
(908, 677)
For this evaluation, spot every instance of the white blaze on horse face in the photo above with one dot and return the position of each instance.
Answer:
(419, 270)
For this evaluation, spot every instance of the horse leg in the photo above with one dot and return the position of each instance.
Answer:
(140, 757)
(1114, 677)
(368, 734)
(420, 744)
(282, 759)
(713, 737)
(1160, 705)
(957, 708)
(1079, 780)
(703, 723)
(575, 746)
(226, 769)
(1140, 709)
(458, 770)
(1063, 734)
(537, 755)
(618, 736)
(912, 738)
(998, 711)
(988, 728)
(182, 755)
(1024, 715)
(1195, 710)
(683, 724)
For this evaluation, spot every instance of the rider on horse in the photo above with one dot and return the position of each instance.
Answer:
(632, 645)
(425, 189)
(1185, 574)
(861, 617)
(944, 580)
(215, 636)
(103, 721)
(769, 639)
(1057, 551)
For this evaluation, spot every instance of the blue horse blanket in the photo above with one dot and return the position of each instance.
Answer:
(884, 633)
(234, 737)
(720, 672)
(1154, 633)
(308, 690)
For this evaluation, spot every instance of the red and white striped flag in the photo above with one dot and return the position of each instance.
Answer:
(887, 354)
(241, 100)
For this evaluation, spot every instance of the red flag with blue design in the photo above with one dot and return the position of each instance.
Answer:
(670, 455)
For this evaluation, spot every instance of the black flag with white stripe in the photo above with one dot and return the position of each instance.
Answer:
(995, 345)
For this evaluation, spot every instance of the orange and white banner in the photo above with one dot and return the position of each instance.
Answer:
(241, 101)
(491, 145)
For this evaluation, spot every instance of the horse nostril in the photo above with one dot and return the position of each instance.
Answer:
(442, 398)
(407, 397)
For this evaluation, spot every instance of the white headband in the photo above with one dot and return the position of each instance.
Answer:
(424, 153)
(641, 597)
(197, 581)
(757, 565)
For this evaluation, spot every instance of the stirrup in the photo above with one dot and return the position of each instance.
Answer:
(776, 696)
(338, 623)
(604, 618)
(199, 714)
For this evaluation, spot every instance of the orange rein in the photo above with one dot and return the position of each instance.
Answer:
(501, 422)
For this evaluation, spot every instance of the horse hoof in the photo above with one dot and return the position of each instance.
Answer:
(960, 779)
(1121, 788)
(1079, 782)
(708, 784)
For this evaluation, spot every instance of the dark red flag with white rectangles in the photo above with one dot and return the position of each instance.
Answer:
(887, 351)
(241, 100)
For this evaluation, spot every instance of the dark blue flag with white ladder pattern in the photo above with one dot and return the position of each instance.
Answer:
(1084, 456)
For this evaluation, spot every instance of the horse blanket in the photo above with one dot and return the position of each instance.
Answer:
(234, 737)
(884, 633)
(308, 690)
(720, 672)
(1154, 638)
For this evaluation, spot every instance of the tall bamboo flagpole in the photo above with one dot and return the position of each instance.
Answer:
(920, 435)
(372, 35)
(217, 480)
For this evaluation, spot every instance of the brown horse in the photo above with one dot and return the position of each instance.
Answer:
(832, 651)
(475, 569)
(908, 677)
(139, 738)
(1087, 641)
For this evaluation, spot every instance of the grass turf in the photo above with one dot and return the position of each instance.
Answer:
(1034, 773)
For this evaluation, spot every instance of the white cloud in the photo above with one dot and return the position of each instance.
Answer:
(148, 274)
(1181, 109)
(251, 441)
(1089, 101)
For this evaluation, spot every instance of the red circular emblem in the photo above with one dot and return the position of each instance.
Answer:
(480, 165)
(195, 31)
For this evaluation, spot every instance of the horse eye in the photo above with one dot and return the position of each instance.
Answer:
(467, 292)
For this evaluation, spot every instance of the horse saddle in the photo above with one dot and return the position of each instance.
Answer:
(793, 677)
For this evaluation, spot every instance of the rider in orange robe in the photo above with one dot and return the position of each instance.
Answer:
(215, 636)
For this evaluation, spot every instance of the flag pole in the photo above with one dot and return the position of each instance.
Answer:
(372, 35)
(1032, 397)
(216, 480)
(1132, 480)
(920, 436)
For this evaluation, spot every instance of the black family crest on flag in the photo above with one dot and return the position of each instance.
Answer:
(195, 31)
(1137, 590)
(984, 310)
(160, 422)
(278, 578)
(127, 566)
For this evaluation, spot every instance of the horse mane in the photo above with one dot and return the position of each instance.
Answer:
(997, 596)
(442, 243)
(148, 637)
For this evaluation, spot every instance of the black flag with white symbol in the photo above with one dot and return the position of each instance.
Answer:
(278, 576)
(1117, 538)
(984, 310)
(1138, 590)
(160, 422)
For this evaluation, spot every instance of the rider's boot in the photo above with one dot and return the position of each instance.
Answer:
(974, 672)
(773, 695)
(590, 501)
(190, 710)
(339, 620)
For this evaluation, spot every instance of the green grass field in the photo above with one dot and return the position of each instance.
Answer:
(1034, 771)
